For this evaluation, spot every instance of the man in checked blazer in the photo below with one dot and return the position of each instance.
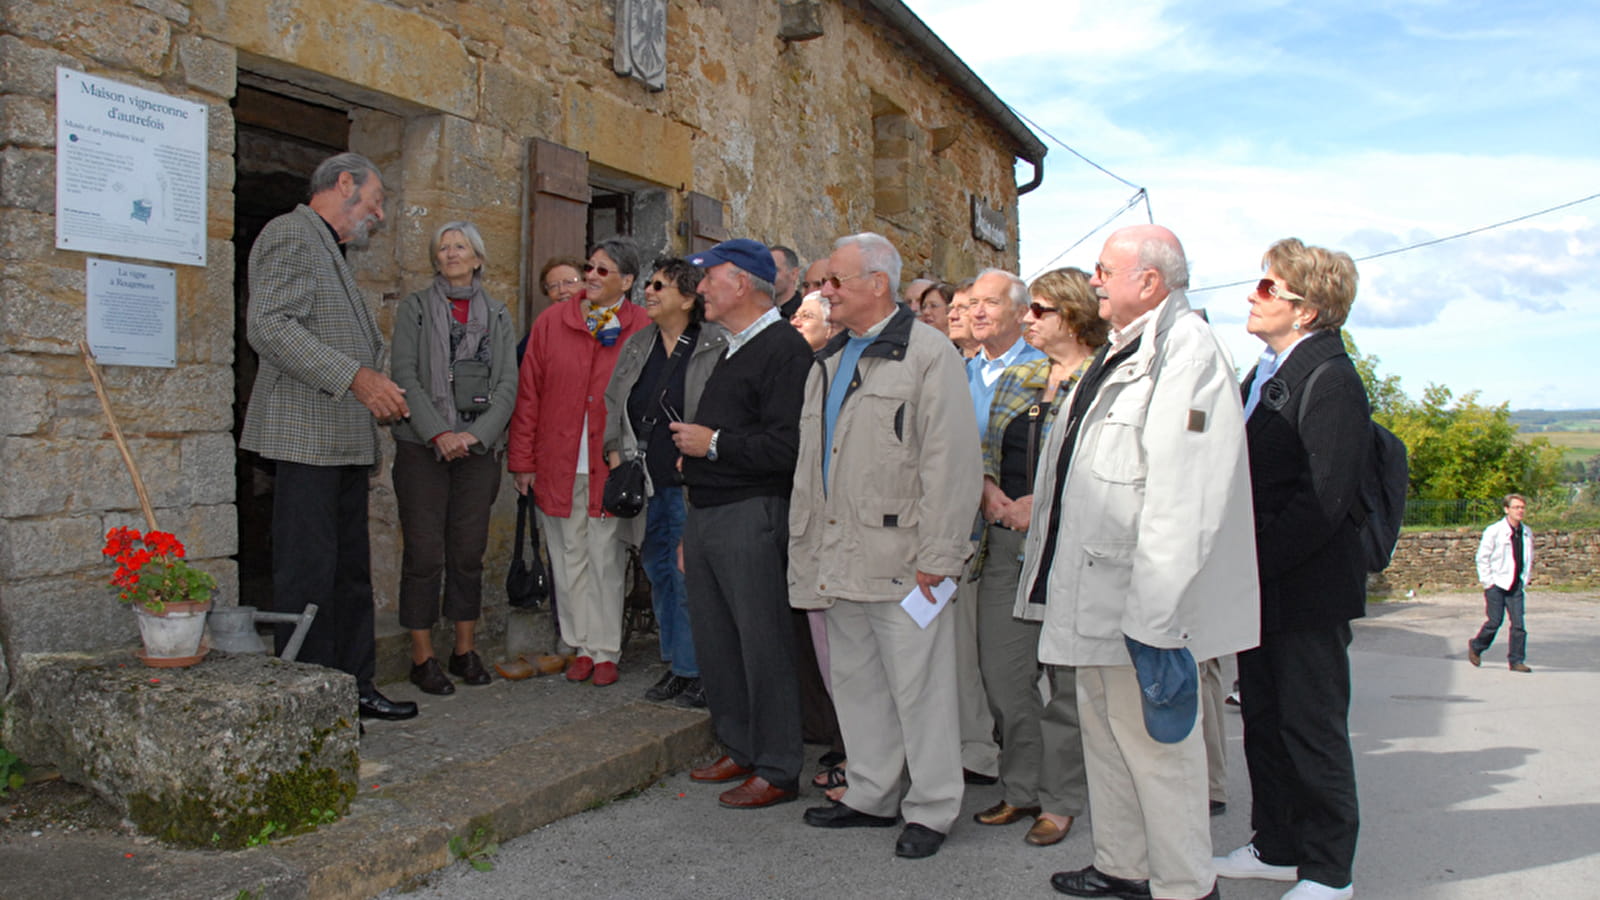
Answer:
(318, 397)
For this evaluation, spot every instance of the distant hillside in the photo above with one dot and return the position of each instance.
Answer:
(1539, 421)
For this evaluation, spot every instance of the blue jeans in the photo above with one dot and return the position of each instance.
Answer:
(1497, 604)
(663, 529)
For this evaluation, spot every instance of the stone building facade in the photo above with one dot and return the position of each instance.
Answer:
(794, 122)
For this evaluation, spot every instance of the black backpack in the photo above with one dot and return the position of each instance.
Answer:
(1383, 489)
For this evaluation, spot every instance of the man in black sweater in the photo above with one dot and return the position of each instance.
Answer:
(739, 446)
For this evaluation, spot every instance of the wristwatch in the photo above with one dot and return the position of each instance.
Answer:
(711, 449)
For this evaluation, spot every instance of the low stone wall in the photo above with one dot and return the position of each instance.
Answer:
(1444, 560)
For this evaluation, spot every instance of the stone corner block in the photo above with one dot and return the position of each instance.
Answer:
(204, 756)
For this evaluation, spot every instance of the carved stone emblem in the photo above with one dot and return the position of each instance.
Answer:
(640, 48)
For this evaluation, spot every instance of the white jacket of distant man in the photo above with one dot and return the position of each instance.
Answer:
(1496, 567)
(1157, 536)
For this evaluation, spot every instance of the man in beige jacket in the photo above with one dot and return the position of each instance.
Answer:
(889, 473)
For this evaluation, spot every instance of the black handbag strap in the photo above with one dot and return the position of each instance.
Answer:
(641, 439)
(524, 515)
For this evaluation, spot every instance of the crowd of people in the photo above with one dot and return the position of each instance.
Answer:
(965, 533)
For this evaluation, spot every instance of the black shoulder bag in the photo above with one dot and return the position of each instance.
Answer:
(625, 491)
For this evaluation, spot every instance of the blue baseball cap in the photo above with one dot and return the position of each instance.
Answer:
(751, 256)
(1169, 689)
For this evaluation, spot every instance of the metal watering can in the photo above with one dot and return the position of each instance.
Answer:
(233, 629)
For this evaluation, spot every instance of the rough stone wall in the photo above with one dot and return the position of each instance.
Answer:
(445, 97)
(1444, 560)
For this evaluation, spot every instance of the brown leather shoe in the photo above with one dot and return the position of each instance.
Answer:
(1003, 813)
(1520, 667)
(755, 793)
(1472, 655)
(724, 769)
(516, 669)
(552, 664)
(1044, 832)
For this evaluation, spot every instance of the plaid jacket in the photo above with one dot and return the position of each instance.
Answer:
(313, 330)
(1019, 387)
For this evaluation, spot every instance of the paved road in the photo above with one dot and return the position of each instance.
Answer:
(1475, 783)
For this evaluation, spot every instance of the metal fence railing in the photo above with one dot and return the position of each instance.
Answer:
(1451, 513)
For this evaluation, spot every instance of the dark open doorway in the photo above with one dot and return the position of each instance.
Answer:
(279, 141)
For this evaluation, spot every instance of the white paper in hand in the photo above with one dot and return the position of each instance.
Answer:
(920, 610)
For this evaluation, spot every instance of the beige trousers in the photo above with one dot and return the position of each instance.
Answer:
(1147, 799)
(895, 694)
(979, 752)
(1216, 738)
(587, 562)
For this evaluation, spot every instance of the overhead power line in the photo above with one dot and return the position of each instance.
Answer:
(1428, 243)
(1069, 149)
(1132, 201)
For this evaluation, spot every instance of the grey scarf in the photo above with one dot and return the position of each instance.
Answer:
(439, 320)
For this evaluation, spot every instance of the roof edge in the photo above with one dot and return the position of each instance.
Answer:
(1032, 149)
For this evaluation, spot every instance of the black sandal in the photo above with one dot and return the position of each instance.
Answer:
(829, 778)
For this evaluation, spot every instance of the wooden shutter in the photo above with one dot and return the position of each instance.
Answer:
(558, 213)
(705, 222)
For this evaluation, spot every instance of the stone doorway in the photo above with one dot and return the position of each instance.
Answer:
(279, 141)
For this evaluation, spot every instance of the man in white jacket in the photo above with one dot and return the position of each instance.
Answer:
(1142, 547)
(1504, 557)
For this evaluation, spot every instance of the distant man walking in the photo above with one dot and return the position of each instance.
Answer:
(1504, 557)
(314, 409)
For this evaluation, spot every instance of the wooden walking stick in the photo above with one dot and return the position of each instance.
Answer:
(116, 434)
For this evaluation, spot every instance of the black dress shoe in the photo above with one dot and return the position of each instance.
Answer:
(376, 706)
(1091, 882)
(918, 842)
(468, 667)
(693, 695)
(837, 815)
(430, 678)
(668, 687)
(971, 777)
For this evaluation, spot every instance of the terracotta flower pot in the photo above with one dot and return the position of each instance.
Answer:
(173, 636)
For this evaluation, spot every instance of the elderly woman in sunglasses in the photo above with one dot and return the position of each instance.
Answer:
(1307, 427)
(557, 432)
(658, 379)
(1041, 763)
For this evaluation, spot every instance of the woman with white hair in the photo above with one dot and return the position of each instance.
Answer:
(455, 357)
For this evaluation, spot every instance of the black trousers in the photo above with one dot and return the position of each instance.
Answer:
(736, 572)
(320, 555)
(444, 521)
(1295, 696)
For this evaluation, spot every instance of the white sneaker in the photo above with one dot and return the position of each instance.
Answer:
(1316, 890)
(1245, 862)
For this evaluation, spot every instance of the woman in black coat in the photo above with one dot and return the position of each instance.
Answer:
(1308, 429)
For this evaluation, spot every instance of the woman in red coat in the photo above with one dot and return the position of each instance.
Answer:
(557, 434)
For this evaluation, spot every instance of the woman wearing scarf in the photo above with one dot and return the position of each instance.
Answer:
(454, 355)
(557, 436)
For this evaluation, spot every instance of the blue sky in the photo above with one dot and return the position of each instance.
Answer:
(1357, 126)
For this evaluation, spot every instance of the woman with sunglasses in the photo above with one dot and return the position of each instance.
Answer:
(453, 355)
(658, 379)
(1308, 429)
(1041, 760)
(557, 433)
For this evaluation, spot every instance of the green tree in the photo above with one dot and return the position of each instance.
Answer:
(1458, 448)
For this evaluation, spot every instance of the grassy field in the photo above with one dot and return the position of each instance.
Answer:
(1575, 446)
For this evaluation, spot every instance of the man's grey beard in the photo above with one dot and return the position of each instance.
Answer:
(362, 232)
